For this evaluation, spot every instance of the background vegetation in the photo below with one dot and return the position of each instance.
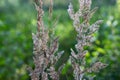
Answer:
(18, 21)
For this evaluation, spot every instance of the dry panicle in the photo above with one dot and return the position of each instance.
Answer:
(84, 36)
(44, 53)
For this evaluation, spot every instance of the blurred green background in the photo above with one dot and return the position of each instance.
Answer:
(18, 21)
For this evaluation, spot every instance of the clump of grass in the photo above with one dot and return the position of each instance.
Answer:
(46, 46)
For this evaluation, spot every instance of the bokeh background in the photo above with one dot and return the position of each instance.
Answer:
(18, 21)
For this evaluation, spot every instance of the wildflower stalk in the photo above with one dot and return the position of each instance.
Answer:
(44, 49)
(84, 30)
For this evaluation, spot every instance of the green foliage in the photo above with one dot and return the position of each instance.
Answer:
(15, 41)
(109, 42)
